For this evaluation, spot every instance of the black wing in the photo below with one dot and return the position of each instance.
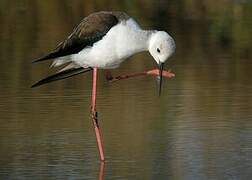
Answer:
(61, 75)
(90, 30)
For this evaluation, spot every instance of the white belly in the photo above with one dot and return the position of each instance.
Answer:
(121, 42)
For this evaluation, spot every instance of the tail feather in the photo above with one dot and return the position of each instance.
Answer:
(62, 75)
(46, 57)
(56, 53)
(61, 61)
(69, 66)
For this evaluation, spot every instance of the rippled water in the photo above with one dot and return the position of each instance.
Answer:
(200, 128)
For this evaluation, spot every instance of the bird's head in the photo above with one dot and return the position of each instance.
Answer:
(161, 47)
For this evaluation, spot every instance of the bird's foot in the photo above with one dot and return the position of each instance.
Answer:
(155, 72)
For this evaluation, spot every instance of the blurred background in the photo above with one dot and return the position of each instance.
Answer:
(200, 128)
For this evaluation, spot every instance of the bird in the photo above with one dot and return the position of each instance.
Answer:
(103, 40)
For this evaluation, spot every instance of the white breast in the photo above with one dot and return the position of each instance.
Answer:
(122, 41)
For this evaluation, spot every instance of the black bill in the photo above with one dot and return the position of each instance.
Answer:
(161, 67)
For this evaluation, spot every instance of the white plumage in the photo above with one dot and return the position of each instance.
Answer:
(122, 41)
(104, 40)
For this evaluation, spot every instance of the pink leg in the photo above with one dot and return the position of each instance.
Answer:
(101, 172)
(153, 72)
(94, 116)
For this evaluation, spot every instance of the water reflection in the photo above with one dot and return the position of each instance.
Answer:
(199, 129)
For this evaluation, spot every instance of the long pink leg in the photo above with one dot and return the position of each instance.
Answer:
(94, 116)
(153, 72)
(101, 172)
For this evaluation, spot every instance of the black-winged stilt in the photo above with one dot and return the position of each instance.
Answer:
(102, 41)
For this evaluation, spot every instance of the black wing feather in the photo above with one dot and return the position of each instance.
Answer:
(62, 75)
(90, 30)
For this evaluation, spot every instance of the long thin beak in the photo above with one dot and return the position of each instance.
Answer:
(161, 67)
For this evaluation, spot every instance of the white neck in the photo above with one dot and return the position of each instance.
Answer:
(134, 41)
(140, 41)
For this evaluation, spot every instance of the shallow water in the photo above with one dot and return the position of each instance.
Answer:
(200, 128)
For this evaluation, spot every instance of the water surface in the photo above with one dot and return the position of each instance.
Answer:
(200, 128)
